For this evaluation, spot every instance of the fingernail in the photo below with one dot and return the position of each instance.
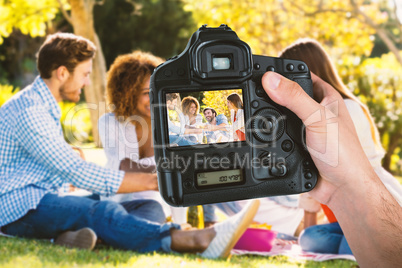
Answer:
(273, 80)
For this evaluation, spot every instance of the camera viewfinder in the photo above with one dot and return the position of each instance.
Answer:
(222, 62)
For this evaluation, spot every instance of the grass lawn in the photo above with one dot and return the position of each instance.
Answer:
(24, 253)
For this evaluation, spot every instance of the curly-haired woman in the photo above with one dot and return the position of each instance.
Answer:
(191, 108)
(191, 116)
(126, 131)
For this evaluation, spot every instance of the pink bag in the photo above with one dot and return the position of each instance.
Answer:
(255, 239)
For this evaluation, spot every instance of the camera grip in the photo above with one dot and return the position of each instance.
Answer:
(170, 185)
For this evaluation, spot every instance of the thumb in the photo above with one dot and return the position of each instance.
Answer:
(289, 94)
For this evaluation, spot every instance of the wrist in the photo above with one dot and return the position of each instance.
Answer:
(361, 185)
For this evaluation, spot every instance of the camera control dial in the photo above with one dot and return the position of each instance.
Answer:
(268, 125)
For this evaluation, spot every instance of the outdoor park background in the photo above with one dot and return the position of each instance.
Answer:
(363, 37)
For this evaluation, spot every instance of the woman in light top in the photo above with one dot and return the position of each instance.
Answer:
(125, 132)
(191, 116)
(235, 105)
(191, 108)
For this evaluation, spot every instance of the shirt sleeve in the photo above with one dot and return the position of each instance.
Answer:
(221, 119)
(40, 135)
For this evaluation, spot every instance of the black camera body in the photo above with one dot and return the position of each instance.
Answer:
(271, 158)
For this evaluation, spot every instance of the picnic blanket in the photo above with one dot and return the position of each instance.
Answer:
(291, 249)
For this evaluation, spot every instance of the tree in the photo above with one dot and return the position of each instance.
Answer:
(165, 36)
(268, 26)
(381, 16)
(345, 28)
(22, 23)
(34, 17)
(124, 26)
(380, 89)
(81, 18)
(378, 83)
(30, 17)
(218, 100)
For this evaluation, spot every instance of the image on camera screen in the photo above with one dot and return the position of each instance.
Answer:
(205, 117)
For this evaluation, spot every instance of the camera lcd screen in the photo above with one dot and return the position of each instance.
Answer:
(205, 117)
(219, 177)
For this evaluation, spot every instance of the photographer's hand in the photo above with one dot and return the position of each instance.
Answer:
(330, 134)
(368, 214)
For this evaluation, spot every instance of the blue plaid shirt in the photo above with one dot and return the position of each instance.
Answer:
(34, 157)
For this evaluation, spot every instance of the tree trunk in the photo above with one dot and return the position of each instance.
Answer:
(83, 24)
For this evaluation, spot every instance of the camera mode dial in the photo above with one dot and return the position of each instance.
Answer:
(268, 125)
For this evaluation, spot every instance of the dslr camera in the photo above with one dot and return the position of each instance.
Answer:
(240, 147)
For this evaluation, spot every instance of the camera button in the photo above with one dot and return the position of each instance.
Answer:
(308, 175)
(279, 170)
(260, 92)
(168, 73)
(290, 67)
(188, 184)
(267, 125)
(270, 69)
(257, 66)
(301, 67)
(287, 145)
(255, 104)
(180, 72)
(265, 157)
(308, 185)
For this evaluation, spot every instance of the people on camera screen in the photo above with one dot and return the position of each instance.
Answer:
(188, 127)
(235, 105)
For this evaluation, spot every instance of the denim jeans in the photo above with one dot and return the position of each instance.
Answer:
(180, 140)
(110, 221)
(147, 209)
(324, 238)
(144, 208)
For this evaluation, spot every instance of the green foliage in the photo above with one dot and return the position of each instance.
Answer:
(164, 26)
(31, 17)
(76, 123)
(161, 27)
(378, 83)
(217, 100)
(392, 26)
(6, 92)
(268, 26)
